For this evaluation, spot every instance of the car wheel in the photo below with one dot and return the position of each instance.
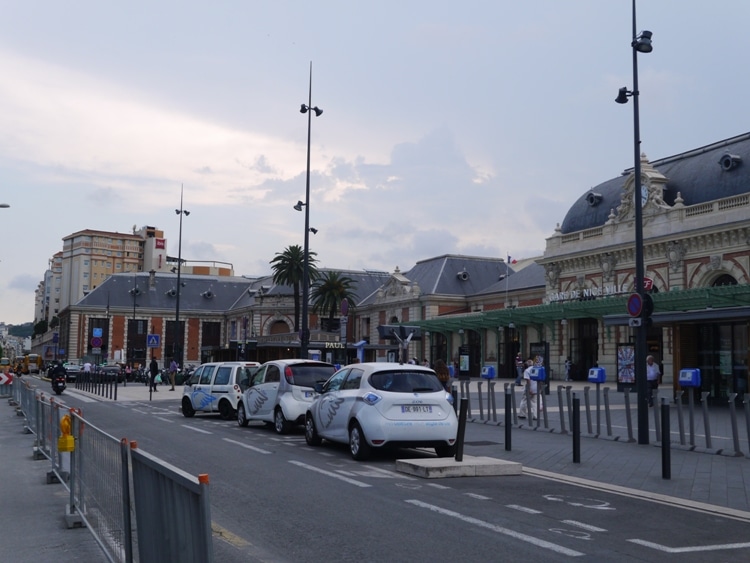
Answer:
(358, 445)
(226, 412)
(241, 418)
(187, 409)
(311, 434)
(280, 423)
(445, 451)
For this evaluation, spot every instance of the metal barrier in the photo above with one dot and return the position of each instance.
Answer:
(121, 494)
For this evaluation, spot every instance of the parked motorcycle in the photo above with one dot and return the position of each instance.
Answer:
(58, 384)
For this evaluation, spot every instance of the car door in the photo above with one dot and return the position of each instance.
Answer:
(330, 419)
(260, 398)
(201, 397)
(221, 385)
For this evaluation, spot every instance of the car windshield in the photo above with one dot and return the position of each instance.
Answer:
(405, 381)
(307, 375)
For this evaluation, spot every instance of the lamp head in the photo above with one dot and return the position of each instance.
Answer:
(317, 111)
(622, 96)
(313, 230)
(642, 43)
(303, 109)
(186, 212)
(299, 205)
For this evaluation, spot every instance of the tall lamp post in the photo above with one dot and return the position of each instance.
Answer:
(177, 355)
(304, 336)
(640, 44)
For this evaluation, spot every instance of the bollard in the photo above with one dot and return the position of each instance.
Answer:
(454, 393)
(588, 409)
(481, 407)
(568, 394)
(691, 420)
(598, 411)
(461, 429)
(513, 400)
(657, 425)
(666, 466)
(735, 431)
(607, 412)
(576, 429)
(680, 419)
(746, 404)
(508, 408)
(628, 415)
(491, 401)
(544, 411)
(706, 423)
(562, 409)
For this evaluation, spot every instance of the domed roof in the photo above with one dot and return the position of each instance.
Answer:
(712, 172)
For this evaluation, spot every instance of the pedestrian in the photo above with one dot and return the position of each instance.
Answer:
(653, 373)
(128, 373)
(528, 403)
(519, 369)
(154, 369)
(441, 369)
(172, 373)
(568, 367)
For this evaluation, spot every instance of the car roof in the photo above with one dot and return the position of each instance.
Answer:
(292, 361)
(388, 366)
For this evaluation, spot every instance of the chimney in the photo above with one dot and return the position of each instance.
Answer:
(152, 280)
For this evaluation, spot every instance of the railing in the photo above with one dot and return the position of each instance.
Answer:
(137, 507)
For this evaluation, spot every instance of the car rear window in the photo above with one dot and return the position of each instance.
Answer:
(405, 381)
(307, 375)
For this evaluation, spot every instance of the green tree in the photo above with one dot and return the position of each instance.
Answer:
(55, 322)
(288, 269)
(40, 327)
(329, 291)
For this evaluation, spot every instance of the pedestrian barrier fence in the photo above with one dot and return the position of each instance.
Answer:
(137, 507)
(602, 419)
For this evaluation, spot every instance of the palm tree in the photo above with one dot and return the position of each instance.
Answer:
(329, 291)
(288, 269)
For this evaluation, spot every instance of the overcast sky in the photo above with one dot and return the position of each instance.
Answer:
(449, 127)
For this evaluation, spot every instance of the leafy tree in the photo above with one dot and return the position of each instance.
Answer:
(329, 291)
(55, 322)
(288, 269)
(40, 328)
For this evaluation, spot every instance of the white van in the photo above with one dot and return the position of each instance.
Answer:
(217, 387)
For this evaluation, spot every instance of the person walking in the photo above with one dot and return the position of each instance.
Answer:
(172, 373)
(528, 403)
(153, 368)
(441, 369)
(653, 374)
(519, 369)
(568, 367)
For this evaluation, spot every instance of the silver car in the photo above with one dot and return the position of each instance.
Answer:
(376, 405)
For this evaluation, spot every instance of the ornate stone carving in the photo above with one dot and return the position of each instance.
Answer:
(553, 273)
(608, 264)
(675, 254)
(716, 260)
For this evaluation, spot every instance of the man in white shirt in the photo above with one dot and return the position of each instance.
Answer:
(653, 373)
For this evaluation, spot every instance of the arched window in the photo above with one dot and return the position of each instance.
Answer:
(724, 279)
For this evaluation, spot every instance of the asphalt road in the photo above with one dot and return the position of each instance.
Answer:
(273, 498)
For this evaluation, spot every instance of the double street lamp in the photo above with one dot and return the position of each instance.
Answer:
(640, 44)
(177, 346)
(304, 335)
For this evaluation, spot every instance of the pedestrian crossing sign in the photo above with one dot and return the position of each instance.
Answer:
(153, 341)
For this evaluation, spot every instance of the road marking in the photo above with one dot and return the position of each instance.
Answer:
(436, 486)
(523, 509)
(329, 474)
(228, 536)
(593, 503)
(386, 473)
(499, 529)
(166, 420)
(692, 549)
(588, 527)
(476, 496)
(246, 446)
(194, 429)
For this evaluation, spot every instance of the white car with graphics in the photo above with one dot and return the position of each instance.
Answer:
(281, 391)
(379, 405)
(217, 387)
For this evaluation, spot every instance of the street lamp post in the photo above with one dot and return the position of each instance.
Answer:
(640, 44)
(133, 331)
(304, 336)
(177, 346)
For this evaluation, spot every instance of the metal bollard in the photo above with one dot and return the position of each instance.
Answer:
(628, 415)
(691, 419)
(576, 429)
(735, 431)
(544, 411)
(666, 465)
(508, 414)
(481, 407)
(513, 400)
(491, 401)
(607, 412)
(562, 409)
(746, 404)
(588, 409)
(461, 428)
(657, 425)
(680, 419)
(568, 393)
(598, 411)
(454, 393)
(706, 423)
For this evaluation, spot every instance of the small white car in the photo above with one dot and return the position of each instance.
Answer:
(217, 387)
(377, 405)
(281, 391)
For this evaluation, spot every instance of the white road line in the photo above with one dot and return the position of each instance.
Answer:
(523, 509)
(587, 527)
(499, 529)
(693, 549)
(247, 446)
(329, 474)
(195, 429)
(476, 496)
(166, 420)
(436, 486)
(393, 474)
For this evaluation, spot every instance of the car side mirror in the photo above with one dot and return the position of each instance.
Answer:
(318, 387)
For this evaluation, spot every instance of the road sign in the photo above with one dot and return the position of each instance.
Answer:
(153, 341)
(96, 350)
(635, 321)
(6, 379)
(635, 305)
(96, 342)
(98, 332)
(648, 284)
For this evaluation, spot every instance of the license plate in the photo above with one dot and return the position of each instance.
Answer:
(416, 408)
(309, 394)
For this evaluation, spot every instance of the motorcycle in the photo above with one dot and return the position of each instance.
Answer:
(58, 384)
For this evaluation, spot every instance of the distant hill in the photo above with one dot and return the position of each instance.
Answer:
(24, 330)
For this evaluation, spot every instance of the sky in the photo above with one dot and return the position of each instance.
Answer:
(448, 127)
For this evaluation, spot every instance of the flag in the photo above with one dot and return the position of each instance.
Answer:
(511, 260)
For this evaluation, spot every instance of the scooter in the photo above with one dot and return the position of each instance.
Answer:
(58, 384)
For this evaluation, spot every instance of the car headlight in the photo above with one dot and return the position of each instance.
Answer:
(371, 398)
(449, 397)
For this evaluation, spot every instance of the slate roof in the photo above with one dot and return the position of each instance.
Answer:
(697, 175)
(531, 276)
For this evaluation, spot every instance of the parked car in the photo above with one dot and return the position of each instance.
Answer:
(217, 387)
(378, 405)
(112, 373)
(281, 391)
(72, 369)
